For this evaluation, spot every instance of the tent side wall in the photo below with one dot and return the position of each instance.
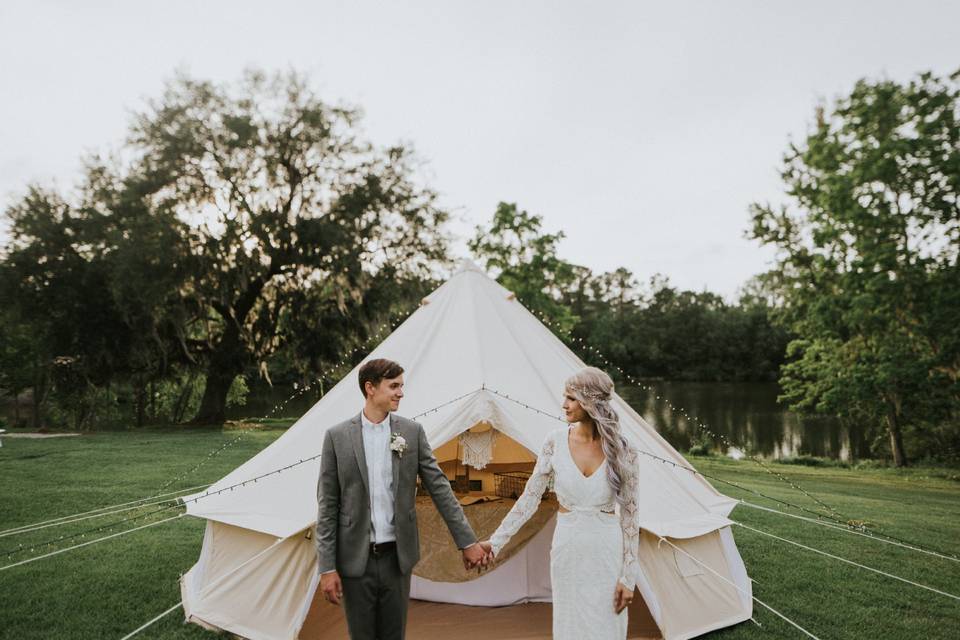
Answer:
(261, 588)
(686, 599)
(250, 583)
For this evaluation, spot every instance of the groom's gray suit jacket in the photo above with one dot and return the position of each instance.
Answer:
(343, 497)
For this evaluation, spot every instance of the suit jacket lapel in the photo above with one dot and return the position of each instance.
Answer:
(394, 458)
(356, 435)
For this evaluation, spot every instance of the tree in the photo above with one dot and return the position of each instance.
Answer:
(325, 339)
(18, 349)
(606, 306)
(96, 286)
(283, 196)
(867, 271)
(525, 261)
(231, 213)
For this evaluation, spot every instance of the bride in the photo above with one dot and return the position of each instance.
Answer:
(593, 558)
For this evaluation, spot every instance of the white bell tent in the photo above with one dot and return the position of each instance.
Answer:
(475, 359)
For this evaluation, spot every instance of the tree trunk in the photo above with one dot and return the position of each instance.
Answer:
(81, 412)
(226, 364)
(229, 356)
(141, 402)
(152, 400)
(896, 438)
(38, 393)
(213, 407)
(182, 399)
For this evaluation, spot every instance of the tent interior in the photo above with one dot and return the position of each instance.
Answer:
(507, 457)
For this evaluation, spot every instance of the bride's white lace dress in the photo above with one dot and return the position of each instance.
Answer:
(593, 547)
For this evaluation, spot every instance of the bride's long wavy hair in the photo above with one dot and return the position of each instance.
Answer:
(592, 388)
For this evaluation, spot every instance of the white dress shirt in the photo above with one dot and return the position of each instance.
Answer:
(376, 449)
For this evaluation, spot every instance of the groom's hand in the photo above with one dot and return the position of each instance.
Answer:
(332, 587)
(474, 555)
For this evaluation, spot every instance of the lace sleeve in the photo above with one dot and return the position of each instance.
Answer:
(528, 502)
(630, 522)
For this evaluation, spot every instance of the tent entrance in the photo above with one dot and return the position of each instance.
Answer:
(486, 494)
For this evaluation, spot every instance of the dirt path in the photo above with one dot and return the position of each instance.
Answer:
(38, 435)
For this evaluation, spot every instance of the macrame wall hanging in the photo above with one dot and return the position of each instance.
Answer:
(476, 449)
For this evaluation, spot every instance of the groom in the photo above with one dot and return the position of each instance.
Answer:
(367, 540)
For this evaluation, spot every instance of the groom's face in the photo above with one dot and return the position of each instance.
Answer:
(386, 395)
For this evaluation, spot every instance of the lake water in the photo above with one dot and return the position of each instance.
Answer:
(746, 414)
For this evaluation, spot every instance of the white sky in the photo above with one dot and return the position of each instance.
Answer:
(642, 130)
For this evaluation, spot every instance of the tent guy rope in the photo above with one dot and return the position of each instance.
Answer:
(89, 542)
(740, 589)
(150, 622)
(43, 524)
(850, 562)
(847, 529)
(79, 534)
(111, 509)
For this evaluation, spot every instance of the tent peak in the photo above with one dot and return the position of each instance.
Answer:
(469, 265)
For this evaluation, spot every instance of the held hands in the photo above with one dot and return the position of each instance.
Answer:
(478, 556)
(331, 587)
(622, 597)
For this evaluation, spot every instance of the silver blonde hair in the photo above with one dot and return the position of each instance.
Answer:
(592, 388)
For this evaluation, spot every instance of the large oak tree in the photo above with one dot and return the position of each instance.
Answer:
(284, 196)
(231, 211)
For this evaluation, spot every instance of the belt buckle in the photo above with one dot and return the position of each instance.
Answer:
(373, 549)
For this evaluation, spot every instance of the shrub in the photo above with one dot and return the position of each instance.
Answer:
(813, 461)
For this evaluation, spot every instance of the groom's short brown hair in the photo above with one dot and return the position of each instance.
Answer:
(376, 370)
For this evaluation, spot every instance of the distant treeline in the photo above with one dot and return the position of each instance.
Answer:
(247, 233)
(649, 330)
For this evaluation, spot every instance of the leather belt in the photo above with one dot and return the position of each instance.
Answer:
(382, 547)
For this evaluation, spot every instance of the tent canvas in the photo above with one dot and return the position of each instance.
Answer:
(473, 355)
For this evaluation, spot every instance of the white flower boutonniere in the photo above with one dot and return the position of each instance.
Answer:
(398, 444)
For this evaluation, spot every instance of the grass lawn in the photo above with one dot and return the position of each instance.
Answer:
(108, 589)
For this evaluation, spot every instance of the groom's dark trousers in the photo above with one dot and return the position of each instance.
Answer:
(376, 581)
(376, 602)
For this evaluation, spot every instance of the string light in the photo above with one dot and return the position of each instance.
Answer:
(82, 534)
(484, 387)
(692, 419)
(95, 513)
(298, 391)
(325, 374)
(779, 502)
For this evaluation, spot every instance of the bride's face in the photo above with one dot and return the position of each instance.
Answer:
(572, 409)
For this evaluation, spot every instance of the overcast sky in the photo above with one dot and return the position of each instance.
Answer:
(641, 130)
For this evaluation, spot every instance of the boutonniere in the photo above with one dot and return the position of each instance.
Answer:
(398, 444)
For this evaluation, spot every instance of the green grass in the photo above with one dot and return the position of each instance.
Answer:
(107, 590)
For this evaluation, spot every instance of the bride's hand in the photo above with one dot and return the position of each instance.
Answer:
(622, 597)
(487, 547)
